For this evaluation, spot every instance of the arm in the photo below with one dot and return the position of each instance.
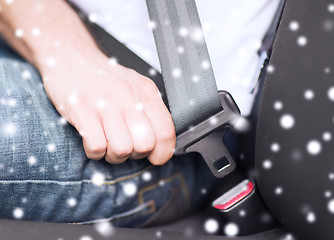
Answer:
(118, 112)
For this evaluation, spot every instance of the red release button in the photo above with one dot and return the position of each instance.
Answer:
(234, 196)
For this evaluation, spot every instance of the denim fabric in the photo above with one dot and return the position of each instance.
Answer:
(46, 176)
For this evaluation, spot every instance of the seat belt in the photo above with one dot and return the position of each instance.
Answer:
(241, 196)
(198, 111)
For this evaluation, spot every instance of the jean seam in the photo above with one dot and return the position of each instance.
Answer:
(136, 212)
(105, 183)
(178, 176)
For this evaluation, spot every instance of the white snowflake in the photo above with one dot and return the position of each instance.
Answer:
(51, 147)
(278, 105)
(19, 33)
(328, 194)
(36, 31)
(330, 93)
(183, 32)
(139, 107)
(294, 26)
(18, 213)
(331, 8)
(327, 70)
(213, 120)
(231, 229)
(211, 226)
(10, 129)
(12, 102)
(26, 74)
(205, 64)
(275, 147)
(129, 189)
(158, 234)
(72, 202)
(326, 136)
(73, 99)
(313, 147)
(62, 121)
(93, 17)
(270, 68)
(309, 94)
(113, 61)
(241, 124)
(330, 206)
(147, 176)
(32, 160)
(242, 213)
(197, 35)
(100, 103)
(98, 179)
(195, 78)
(287, 121)
(86, 237)
(267, 164)
(152, 25)
(51, 62)
(331, 176)
(152, 72)
(278, 190)
(176, 72)
(105, 229)
(302, 41)
(311, 217)
(180, 50)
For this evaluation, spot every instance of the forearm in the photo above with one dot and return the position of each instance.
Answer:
(45, 32)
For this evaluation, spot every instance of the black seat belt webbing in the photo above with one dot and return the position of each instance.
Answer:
(184, 59)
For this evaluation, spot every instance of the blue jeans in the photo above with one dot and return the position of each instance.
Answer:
(46, 176)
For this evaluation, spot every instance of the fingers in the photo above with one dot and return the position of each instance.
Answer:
(88, 125)
(161, 122)
(127, 124)
(119, 139)
(142, 133)
(164, 130)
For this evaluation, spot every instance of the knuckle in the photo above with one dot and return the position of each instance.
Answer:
(149, 86)
(122, 151)
(97, 148)
(115, 160)
(157, 162)
(145, 147)
(95, 151)
(167, 135)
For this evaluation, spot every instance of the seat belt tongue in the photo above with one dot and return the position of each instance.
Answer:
(206, 138)
(198, 111)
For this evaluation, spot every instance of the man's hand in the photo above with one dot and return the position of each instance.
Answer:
(118, 112)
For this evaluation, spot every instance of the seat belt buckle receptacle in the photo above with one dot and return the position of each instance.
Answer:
(207, 138)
